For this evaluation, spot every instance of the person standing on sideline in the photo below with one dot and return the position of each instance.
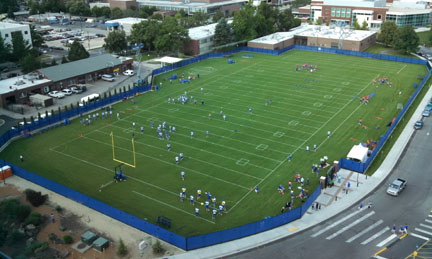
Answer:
(52, 218)
(21, 158)
(328, 134)
(315, 147)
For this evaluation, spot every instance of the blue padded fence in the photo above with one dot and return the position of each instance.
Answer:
(195, 242)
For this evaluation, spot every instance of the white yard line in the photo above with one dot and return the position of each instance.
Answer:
(385, 241)
(173, 164)
(352, 224)
(173, 207)
(401, 69)
(423, 231)
(336, 223)
(425, 226)
(199, 160)
(419, 236)
(300, 146)
(364, 231)
(367, 241)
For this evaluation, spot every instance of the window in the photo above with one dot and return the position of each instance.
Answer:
(348, 12)
(343, 12)
(26, 32)
(379, 16)
(338, 12)
(333, 12)
(6, 35)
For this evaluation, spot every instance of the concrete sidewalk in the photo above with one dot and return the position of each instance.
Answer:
(333, 200)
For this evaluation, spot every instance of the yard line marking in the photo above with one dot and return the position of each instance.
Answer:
(165, 162)
(350, 225)
(301, 145)
(376, 235)
(425, 226)
(419, 236)
(379, 222)
(165, 150)
(388, 239)
(336, 223)
(171, 206)
(110, 170)
(428, 221)
(401, 69)
(423, 231)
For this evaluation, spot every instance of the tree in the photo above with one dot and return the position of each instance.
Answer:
(430, 37)
(77, 52)
(265, 19)
(157, 16)
(146, 11)
(218, 15)
(115, 41)
(36, 37)
(106, 11)
(96, 11)
(53, 6)
(5, 50)
(64, 60)
(116, 13)
(199, 18)
(356, 25)
(389, 33)
(171, 36)
(364, 26)
(29, 63)
(145, 32)
(408, 40)
(286, 21)
(122, 249)
(8, 5)
(319, 21)
(244, 23)
(19, 46)
(78, 8)
(223, 33)
(53, 62)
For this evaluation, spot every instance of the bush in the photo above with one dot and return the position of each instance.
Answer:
(31, 248)
(122, 249)
(67, 239)
(34, 218)
(35, 198)
(12, 209)
(59, 209)
(15, 237)
(3, 235)
(158, 248)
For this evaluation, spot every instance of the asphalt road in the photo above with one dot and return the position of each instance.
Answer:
(362, 233)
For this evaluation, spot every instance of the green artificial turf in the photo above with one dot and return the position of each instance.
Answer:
(378, 48)
(245, 150)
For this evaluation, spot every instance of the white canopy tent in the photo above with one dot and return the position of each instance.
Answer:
(167, 60)
(358, 153)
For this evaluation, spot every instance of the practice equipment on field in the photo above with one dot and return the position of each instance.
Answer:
(164, 221)
(230, 61)
(118, 174)
(133, 152)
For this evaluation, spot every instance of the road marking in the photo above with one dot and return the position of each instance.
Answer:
(376, 224)
(173, 207)
(376, 235)
(428, 221)
(426, 226)
(385, 241)
(423, 231)
(379, 257)
(380, 251)
(335, 224)
(350, 225)
(419, 236)
(430, 216)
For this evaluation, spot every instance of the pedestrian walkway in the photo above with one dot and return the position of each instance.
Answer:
(333, 201)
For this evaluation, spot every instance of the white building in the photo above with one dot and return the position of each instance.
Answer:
(124, 24)
(201, 39)
(6, 30)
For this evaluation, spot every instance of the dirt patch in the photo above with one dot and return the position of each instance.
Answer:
(74, 219)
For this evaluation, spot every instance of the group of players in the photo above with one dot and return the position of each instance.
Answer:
(210, 199)
(307, 67)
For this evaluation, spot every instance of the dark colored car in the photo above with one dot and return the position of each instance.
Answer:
(418, 125)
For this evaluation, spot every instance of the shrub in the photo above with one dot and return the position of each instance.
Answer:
(122, 249)
(31, 248)
(3, 235)
(35, 198)
(158, 248)
(67, 239)
(15, 237)
(34, 218)
(58, 209)
(12, 209)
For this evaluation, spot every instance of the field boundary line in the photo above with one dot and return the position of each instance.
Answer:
(401, 69)
(199, 160)
(165, 162)
(171, 206)
(279, 165)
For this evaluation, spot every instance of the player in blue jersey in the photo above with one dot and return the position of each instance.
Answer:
(196, 212)
(214, 213)
(192, 200)
(182, 174)
(207, 203)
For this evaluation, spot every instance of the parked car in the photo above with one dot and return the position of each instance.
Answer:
(56, 94)
(418, 125)
(108, 77)
(67, 92)
(129, 72)
(426, 113)
(78, 89)
(396, 187)
(428, 107)
(100, 35)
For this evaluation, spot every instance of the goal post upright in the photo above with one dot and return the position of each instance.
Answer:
(123, 162)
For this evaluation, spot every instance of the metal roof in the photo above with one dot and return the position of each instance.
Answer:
(79, 67)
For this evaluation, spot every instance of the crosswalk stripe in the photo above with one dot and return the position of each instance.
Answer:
(425, 226)
(375, 236)
(430, 216)
(365, 230)
(385, 241)
(419, 236)
(423, 231)
(336, 223)
(428, 221)
(350, 225)
(379, 257)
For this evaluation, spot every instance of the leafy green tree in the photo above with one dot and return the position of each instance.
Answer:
(364, 26)
(20, 48)
(122, 249)
(145, 32)
(35, 7)
(157, 16)
(5, 50)
(115, 41)
(3, 235)
(244, 23)
(200, 18)
(78, 8)
(146, 11)
(408, 40)
(64, 60)
(319, 21)
(8, 5)
(96, 11)
(131, 12)
(218, 15)
(223, 33)
(356, 24)
(53, 62)
(106, 11)
(430, 37)
(389, 33)
(53, 6)
(286, 21)
(77, 52)
(171, 36)
(116, 13)
(36, 37)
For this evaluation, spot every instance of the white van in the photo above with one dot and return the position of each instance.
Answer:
(108, 77)
(89, 98)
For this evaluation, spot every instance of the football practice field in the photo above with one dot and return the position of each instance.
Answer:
(251, 147)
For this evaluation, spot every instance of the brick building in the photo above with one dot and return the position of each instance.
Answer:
(122, 4)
